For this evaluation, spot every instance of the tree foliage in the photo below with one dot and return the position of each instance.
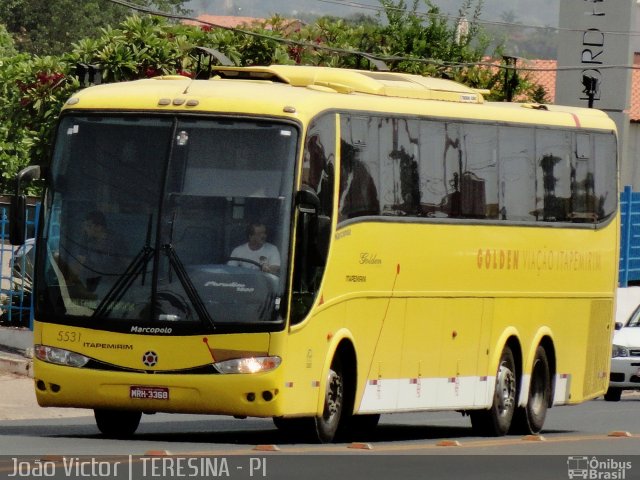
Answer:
(33, 87)
(47, 27)
(32, 90)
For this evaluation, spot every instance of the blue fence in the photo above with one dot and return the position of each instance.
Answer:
(16, 282)
(630, 237)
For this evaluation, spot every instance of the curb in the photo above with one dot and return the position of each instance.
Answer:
(16, 365)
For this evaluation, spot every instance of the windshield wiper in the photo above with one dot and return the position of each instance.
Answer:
(120, 287)
(188, 285)
(138, 265)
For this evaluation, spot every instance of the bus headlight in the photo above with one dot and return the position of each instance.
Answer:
(248, 365)
(619, 351)
(60, 356)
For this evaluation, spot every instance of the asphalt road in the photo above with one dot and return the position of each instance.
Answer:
(426, 446)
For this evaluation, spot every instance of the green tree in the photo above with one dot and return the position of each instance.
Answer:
(32, 90)
(33, 87)
(47, 27)
(7, 48)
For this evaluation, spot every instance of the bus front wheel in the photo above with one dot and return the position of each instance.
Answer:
(496, 420)
(327, 424)
(530, 418)
(332, 422)
(117, 423)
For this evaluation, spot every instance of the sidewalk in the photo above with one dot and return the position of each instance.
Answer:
(17, 392)
(15, 363)
(18, 401)
(16, 351)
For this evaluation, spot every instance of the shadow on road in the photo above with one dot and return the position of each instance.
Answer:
(223, 431)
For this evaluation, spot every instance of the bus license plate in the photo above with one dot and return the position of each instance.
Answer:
(149, 393)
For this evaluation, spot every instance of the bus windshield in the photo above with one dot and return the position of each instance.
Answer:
(167, 224)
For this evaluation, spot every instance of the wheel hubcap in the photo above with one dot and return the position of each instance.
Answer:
(505, 390)
(333, 397)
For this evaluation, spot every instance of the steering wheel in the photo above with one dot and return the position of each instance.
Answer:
(246, 260)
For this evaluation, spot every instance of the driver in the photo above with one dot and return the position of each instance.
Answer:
(257, 251)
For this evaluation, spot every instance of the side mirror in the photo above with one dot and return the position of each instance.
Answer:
(317, 228)
(18, 219)
(18, 214)
(618, 325)
(307, 201)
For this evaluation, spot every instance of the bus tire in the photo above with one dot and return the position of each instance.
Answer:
(496, 420)
(327, 424)
(530, 418)
(117, 423)
(613, 394)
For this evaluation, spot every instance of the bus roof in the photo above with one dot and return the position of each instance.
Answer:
(344, 80)
(303, 91)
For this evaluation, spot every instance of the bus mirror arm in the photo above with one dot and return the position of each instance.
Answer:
(307, 201)
(18, 213)
(318, 229)
(322, 238)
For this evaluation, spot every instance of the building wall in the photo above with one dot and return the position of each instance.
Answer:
(630, 169)
(635, 40)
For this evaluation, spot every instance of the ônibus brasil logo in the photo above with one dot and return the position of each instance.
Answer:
(588, 468)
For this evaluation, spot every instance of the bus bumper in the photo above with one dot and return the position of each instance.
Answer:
(255, 395)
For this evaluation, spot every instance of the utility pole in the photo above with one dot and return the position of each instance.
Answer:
(511, 79)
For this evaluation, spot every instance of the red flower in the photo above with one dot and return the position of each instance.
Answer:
(43, 77)
(295, 52)
(49, 79)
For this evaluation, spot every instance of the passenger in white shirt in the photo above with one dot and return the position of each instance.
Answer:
(258, 250)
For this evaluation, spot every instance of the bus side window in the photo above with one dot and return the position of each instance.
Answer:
(605, 177)
(358, 191)
(553, 153)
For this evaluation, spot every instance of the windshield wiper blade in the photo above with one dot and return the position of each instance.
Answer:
(120, 287)
(138, 265)
(188, 285)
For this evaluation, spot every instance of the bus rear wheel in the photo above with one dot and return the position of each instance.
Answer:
(496, 420)
(530, 418)
(613, 394)
(117, 423)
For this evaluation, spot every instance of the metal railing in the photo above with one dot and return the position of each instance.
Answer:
(16, 279)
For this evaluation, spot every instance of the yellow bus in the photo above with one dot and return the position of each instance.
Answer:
(323, 246)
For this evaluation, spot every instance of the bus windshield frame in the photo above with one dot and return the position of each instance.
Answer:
(144, 213)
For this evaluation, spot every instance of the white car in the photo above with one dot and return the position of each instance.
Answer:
(625, 358)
